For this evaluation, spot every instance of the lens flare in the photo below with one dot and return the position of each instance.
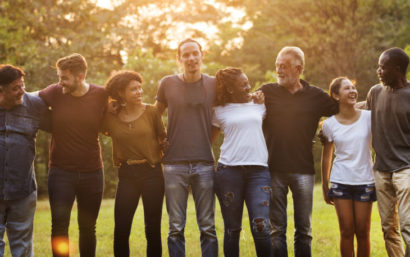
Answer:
(60, 246)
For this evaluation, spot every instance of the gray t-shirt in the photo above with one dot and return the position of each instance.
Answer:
(189, 118)
(390, 127)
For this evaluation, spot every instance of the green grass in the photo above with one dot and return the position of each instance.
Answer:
(325, 231)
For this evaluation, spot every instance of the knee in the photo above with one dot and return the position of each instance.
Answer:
(233, 233)
(260, 227)
(175, 235)
(362, 233)
(347, 232)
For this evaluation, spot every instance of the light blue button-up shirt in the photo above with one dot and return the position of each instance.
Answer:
(18, 129)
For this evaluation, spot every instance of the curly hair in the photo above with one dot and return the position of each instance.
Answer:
(224, 78)
(119, 81)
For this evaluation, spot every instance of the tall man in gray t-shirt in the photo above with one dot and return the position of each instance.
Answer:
(188, 161)
(390, 106)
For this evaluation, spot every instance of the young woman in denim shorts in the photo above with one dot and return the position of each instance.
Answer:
(352, 189)
(242, 175)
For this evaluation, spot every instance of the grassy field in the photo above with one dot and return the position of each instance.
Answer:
(325, 231)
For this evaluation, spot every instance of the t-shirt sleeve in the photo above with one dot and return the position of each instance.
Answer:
(369, 100)
(327, 105)
(42, 111)
(215, 120)
(327, 131)
(158, 124)
(105, 124)
(161, 97)
(47, 94)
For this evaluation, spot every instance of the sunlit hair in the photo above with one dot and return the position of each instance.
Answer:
(334, 86)
(119, 81)
(296, 52)
(75, 63)
(9, 73)
(398, 57)
(225, 78)
(188, 40)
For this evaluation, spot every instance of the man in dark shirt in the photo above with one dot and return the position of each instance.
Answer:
(390, 106)
(20, 116)
(188, 161)
(76, 169)
(293, 110)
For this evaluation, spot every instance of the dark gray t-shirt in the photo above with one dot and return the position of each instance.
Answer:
(390, 127)
(189, 118)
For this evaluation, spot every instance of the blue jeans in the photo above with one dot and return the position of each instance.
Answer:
(301, 186)
(178, 178)
(135, 181)
(235, 185)
(16, 218)
(63, 188)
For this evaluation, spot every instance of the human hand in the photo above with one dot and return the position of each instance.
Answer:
(164, 144)
(323, 139)
(328, 200)
(258, 97)
(114, 107)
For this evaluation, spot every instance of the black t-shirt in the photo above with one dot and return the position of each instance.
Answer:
(290, 125)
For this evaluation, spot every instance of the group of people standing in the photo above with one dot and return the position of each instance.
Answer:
(267, 150)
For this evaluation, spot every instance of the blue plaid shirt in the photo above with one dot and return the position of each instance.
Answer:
(18, 129)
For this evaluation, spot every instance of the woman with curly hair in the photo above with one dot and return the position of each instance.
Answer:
(137, 132)
(242, 175)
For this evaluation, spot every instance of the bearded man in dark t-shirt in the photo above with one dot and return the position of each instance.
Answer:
(293, 109)
(76, 169)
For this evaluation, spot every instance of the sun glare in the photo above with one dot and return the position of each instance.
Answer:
(104, 3)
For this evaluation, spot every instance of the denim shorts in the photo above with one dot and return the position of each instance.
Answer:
(360, 193)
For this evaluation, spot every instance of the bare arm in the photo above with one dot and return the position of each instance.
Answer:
(326, 163)
(215, 133)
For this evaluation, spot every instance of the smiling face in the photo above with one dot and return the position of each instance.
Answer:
(288, 70)
(241, 90)
(190, 55)
(12, 94)
(387, 71)
(69, 81)
(347, 93)
(132, 93)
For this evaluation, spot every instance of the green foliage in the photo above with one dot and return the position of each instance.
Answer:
(407, 50)
(338, 38)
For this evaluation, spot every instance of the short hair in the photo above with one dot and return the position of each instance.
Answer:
(75, 63)
(119, 81)
(224, 78)
(398, 57)
(9, 73)
(296, 52)
(188, 40)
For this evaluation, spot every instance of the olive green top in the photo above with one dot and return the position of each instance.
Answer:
(137, 139)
